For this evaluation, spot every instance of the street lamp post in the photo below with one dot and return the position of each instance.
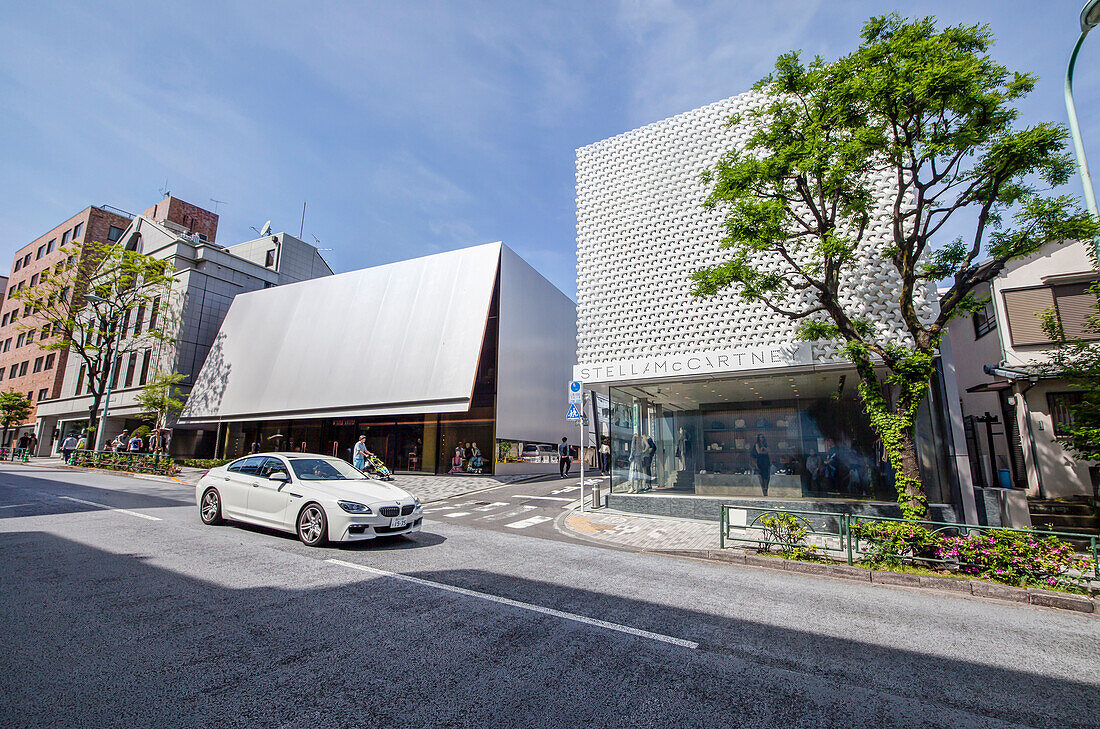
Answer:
(1090, 18)
(99, 431)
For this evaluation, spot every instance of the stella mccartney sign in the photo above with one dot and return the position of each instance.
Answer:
(721, 361)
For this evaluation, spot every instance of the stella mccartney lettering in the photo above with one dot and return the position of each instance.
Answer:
(701, 363)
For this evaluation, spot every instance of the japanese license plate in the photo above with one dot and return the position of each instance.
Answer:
(399, 522)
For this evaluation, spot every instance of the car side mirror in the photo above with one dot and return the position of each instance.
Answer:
(282, 476)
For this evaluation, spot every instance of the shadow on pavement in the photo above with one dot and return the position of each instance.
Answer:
(94, 638)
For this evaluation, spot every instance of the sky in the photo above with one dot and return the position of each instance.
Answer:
(410, 128)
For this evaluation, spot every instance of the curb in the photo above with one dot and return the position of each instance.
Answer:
(171, 480)
(958, 585)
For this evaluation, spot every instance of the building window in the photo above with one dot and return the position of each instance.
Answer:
(76, 231)
(34, 280)
(27, 260)
(65, 238)
(145, 366)
(51, 245)
(138, 319)
(14, 371)
(153, 313)
(1076, 306)
(19, 340)
(70, 261)
(30, 336)
(38, 364)
(41, 252)
(1025, 308)
(11, 291)
(49, 360)
(269, 259)
(7, 344)
(14, 314)
(4, 320)
(45, 333)
(80, 379)
(43, 394)
(23, 367)
(114, 233)
(125, 325)
(30, 396)
(18, 265)
(1061, 410)
(130, 369)
(118, 371)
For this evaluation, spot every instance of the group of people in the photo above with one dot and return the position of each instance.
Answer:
(29, 441)
(467, 459)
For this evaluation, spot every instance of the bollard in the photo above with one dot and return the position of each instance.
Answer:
(26, 454)
(596, 498)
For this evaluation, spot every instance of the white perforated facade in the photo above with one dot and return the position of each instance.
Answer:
(642, 230)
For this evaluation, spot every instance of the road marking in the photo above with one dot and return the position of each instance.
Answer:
(111, 508)
(492, 506)
(15, 506)
(530, 521)
(456, 514)
(565, 490)
(509, 514)
(521, 605)
(543, 498)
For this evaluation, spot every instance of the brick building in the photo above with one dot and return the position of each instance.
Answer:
(24, 366)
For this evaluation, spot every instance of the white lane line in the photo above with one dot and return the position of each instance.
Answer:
(456, 514)
(528, 522)
(490, 507)
(541, 498)
(111, 508)
(509, 514)
(15, 506)
(521, 605)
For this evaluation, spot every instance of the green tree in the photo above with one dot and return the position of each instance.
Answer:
(103, 289)
(1078, 360)
(14, 409)
(162, 398)
(931, 112)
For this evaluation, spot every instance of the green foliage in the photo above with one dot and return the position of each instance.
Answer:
(892, 544)
(128, 462)
(790, 532)
(205, 462)
(1020, 559)
(932, 111)
(128, 287)
(14, 408)
(161, 398)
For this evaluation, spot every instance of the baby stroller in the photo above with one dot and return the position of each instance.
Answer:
(376, 469)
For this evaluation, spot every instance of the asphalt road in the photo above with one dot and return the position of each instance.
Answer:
(119, 608)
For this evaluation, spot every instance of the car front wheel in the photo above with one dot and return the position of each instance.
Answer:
(210, 510)
(312, 526)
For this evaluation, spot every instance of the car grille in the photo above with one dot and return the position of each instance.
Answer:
(407, 509)
(389, 511)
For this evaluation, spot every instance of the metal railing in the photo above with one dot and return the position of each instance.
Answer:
(132, 461)
(15, 454)
(839, 533)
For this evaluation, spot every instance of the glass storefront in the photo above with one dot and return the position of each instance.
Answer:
(778, 436)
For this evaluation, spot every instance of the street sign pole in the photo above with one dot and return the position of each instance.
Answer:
(580, 422)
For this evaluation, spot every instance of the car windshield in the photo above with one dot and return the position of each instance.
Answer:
(323, 469)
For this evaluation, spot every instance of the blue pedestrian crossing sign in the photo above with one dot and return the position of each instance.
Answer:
(574, 413)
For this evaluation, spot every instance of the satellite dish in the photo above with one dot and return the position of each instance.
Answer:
(266, 230)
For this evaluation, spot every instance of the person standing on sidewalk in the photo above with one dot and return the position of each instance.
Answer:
(565, 458)
(359, 453)
(67, 447)
(605, 458)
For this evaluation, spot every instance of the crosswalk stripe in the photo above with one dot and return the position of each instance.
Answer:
(456, 514)
(509, 514)
(492, 506)
(528, 522)
(541, 498)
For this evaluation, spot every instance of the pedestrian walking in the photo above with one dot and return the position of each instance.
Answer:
(82, 443)
(135, 443)
(359, 453)
(605, 458)
(565, 458)
(67, 447)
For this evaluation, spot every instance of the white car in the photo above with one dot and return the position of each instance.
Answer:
(318, 497)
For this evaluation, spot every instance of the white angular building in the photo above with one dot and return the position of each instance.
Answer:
(466, 347)
(696, 382)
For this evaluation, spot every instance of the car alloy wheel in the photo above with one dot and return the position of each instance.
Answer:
(210, 511)
(312, 525)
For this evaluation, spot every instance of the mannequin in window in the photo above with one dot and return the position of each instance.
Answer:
(683, 450)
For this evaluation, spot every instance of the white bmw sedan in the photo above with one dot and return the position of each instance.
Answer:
(318, 497)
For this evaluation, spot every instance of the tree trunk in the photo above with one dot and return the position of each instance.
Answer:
(911, 496)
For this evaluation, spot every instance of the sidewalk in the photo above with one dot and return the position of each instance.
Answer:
(644, 533)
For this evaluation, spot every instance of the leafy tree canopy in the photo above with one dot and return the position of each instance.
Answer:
(933, 113)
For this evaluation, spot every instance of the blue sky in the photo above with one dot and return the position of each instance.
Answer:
(407, 127)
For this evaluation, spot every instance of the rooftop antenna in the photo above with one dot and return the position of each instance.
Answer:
(164, 190)
(303, 227)
(216, 204)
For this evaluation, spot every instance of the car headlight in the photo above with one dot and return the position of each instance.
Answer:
(353, 507)
(416, 502)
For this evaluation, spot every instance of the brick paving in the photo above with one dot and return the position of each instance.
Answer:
(642, 532)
